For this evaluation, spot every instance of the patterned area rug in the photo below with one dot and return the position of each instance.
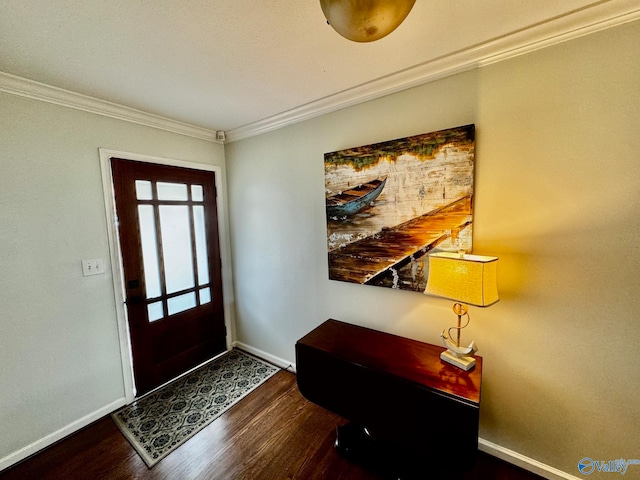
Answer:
(164, 419)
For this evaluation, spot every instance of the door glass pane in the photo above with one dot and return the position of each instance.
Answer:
(181, 303)
(201, 245)
(205, 296)
(149, 250)
(143, 190)
(176, 247)
(172, 191)
(196, 193)
(155, 311)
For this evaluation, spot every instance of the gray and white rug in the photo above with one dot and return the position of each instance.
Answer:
(164, 419)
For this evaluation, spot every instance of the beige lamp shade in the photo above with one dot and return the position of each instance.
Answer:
(469, 279)
(365, 20)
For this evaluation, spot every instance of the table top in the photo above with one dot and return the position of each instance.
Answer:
(411, 360)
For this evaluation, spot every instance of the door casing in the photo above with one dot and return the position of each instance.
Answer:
(116, 259)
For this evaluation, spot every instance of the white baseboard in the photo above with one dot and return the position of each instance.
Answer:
(52, 438)
(526, 463)
(280, 362)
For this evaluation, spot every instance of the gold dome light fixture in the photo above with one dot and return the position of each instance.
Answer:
(365, 20)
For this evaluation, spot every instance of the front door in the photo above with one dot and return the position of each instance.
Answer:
(168, 232)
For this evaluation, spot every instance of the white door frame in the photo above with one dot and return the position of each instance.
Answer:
(116, 258)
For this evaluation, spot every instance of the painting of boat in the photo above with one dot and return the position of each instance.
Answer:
(352, 201)
(389, 204)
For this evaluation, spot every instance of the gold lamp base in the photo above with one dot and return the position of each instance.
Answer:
(454, 353)
(464, 362)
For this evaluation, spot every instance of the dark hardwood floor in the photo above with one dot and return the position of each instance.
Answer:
(273, 434)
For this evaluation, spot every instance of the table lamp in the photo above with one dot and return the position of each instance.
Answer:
(467, 280)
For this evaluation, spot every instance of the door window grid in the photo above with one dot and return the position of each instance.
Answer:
(159, 229)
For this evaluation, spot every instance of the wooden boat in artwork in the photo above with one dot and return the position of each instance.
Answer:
(350, 202)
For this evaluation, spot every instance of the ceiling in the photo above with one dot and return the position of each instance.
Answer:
(244, 65)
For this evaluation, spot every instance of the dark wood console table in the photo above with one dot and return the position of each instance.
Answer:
(395, 391)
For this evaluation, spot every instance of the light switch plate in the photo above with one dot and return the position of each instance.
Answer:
(94, 266)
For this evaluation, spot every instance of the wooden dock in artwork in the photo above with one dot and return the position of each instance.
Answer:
(364, 260)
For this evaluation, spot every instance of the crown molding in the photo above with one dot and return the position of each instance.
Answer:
(23, 87)
(596, 17)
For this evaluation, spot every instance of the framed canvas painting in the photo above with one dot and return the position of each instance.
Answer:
(391, 203)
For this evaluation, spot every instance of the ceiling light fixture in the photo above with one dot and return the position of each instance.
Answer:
(365, 20)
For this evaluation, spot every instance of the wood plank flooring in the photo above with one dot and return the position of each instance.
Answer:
(273, 434)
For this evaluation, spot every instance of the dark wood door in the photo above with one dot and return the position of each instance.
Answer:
(168, 233)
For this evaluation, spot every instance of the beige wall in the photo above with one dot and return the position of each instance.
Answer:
(59, 353)
(557, 199)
